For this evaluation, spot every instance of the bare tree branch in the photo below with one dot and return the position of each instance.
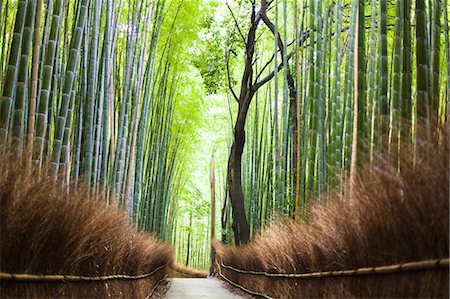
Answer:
(230, 86)
(271, 26)
(302, 40)
(267, 78)
(236, 23)
(288, 45)
(264, 67)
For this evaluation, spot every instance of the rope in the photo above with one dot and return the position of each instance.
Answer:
(411, 266)
(156, 286)
(64, 278)
(241, 287)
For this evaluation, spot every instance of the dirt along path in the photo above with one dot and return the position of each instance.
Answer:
(193, 288)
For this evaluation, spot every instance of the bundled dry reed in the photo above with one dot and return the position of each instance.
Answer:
(181, 271)
(391, 218)
(46, 231)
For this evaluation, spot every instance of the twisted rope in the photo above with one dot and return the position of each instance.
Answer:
(404, 267)
(239, 286)
(156, 286)
(65, 278)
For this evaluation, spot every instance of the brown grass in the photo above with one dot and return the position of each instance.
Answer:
(45, 231)
(181, 271)
(391, 218)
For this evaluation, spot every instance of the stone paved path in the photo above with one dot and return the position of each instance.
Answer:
(193, 288)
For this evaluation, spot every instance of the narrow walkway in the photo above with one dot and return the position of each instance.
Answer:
(193, 288)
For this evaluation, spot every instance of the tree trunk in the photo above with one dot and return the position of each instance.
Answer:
(248, 90)
(234, 180)
(293, 109)
(240, 224)
(189, 241)
(224, 218)
(212, 181)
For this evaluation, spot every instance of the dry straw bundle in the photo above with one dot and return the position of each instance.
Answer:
(45, 230)
(391, 218)
(181, 271)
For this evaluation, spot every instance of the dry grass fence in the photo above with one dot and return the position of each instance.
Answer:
(45, 231)
(391, 218)
(180, 271)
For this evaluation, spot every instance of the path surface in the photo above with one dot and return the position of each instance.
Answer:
(193, 288)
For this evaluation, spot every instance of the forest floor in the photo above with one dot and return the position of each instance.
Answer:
(193, 288)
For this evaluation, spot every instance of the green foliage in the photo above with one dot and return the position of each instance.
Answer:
(210, 57)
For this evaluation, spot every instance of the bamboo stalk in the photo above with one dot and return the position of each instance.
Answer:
(34, 87)
(10, 79)
(18, 119)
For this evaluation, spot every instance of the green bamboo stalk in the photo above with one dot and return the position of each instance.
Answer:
(55, 92)
(259, 160)
(329, 150)
(406, 100)
(106, 85)
(406, 106)
(290, 126)
(285, 120)
(18, 119)
(383, 52)
(64, 162)
(34, 86)
(100, 120)
(1, 29)
(154, 127)
(422, 61)
(277, 153)
(262, 165)
(447, 56)
(120, 167)
(65, 147)
(435, 58)
(373, 79)
(88, 137)
(65, 48)
(303, 123)
(256, 170)
(79, 115)
(10, 79)
(3, 37)
(42, 51)
(362, 100)
(356, 118)
(323, 50)
(148, 97)
(136, 113)
(430, 38)
(311, 107)
(297, 141)
(349, 89)
(69, 79)
(397, 67)
(47, 75)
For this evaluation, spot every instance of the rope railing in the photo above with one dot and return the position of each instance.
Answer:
(403, 267)
(248, 291)
(157, 286)
(71, 278)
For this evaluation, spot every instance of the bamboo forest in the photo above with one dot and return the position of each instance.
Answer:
(236, 137)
